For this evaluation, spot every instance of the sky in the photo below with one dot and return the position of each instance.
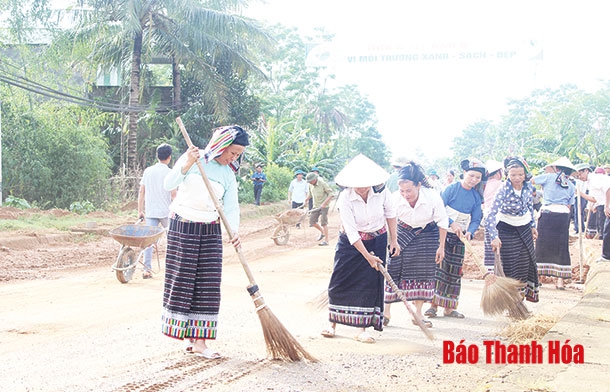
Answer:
(431, 68)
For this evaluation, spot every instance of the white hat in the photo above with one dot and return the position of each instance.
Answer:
(563, 162)
(583, 166)
(361, 172)
(493, 166)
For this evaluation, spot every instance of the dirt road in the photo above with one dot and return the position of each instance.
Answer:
(79, 329)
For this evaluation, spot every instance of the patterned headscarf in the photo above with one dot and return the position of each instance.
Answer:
(222, 138)
(518, 161)
(473, 164)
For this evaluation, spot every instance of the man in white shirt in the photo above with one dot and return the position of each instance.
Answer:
(599, 193)
(297, 190)
(153, 199)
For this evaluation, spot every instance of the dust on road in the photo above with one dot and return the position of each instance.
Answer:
(76, 328)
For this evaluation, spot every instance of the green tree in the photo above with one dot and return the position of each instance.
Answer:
(543, 126)
(477, 140)
(128, 33)
(54, 161)
(306, 122)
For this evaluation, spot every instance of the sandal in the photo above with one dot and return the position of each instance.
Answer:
(427, 323)
(560, 285)
(454, 314)
(431, 313)
(364, 337)
(386, 321)
(328, 333)
(208, 353)
(188, 347)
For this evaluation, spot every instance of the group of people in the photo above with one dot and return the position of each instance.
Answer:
(417, 232)
(312, 191)
(422, 229)
(590, 213)
(430, 229)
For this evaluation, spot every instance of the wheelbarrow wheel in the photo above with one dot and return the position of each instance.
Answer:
(280, 235)
(127, 259)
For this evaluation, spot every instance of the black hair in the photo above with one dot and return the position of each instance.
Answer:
(241, 138)
(566, 170)
(414, 173)
(164, 151)
(493, 173)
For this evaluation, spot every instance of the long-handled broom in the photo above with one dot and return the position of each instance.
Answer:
(280, 343)
(581, 255)
(499, 293)
(404, 300)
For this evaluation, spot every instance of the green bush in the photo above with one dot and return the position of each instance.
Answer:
(52, 156)
(16, 202)
(82, 207)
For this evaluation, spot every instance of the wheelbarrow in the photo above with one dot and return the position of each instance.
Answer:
(285, 220)
(133, 236)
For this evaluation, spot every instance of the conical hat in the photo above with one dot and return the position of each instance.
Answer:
(563, 162)
(361, 172)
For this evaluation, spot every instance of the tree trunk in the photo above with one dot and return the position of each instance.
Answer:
(177, 104)
(134, 100)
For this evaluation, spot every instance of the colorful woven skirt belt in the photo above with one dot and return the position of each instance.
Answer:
(369, 236)
(415, 230)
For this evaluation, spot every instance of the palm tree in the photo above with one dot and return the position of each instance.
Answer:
(128, 33)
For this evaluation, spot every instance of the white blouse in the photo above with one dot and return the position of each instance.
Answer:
(428, 208)
(358, 216)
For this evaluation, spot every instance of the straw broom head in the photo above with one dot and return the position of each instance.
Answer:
(280, 343)
(320, 302)
(503, 294)
(499, 293)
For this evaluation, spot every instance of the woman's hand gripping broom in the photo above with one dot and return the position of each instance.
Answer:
(280, 343)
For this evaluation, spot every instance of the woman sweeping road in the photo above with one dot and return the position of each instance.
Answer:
(421, 216)
(355, 291)
(512, 227)
(191, 298)
(552, 244)
(463, 205)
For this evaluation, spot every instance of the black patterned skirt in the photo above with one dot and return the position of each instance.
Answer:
(449, 274)
(355, 291)
(519, 257)
(414, 269)
(193, 270)
(553, 245)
